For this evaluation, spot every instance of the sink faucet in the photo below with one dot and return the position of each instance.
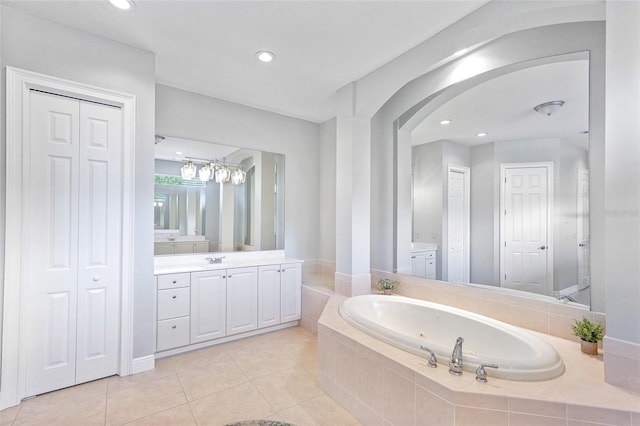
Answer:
(213, 260)
(455, 365)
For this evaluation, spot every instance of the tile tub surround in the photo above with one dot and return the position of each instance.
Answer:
(380, 384)
(548, 317)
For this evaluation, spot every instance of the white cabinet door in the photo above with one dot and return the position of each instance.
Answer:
(242, 300)
(290, 292)
(208, 305)
(75, 230)
(418, 264)
(268, 296)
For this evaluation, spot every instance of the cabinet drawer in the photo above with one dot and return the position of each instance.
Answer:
(173, 303)
(430, 254)
(172, 333)
(174, 280)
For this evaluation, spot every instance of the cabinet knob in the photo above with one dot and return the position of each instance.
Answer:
(174, 281)
(173, 297)
(224, 276)
(96, 278)
(279, 270)
(228, 276)
(173, 326)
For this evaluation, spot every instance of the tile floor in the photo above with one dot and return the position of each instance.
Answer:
(272, 376)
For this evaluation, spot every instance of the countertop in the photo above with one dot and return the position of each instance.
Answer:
(197, 263)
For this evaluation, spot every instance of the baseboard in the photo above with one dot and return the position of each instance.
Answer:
(142, 364)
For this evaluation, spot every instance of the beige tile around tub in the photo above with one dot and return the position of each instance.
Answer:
(541, 408)
(288, 388)
(319, 411)
(398, 406)
(518, 419)
(135, 402)
(598, 415)
(86, 411)
(466, 416)
(177, 416)
(432, 408)
(243, 402)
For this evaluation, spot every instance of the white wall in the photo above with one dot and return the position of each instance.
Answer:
(328, 190)
(622, 157)
(38, 45)
(192, 116)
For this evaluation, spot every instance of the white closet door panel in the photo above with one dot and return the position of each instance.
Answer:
(100, 233)
(52, 235)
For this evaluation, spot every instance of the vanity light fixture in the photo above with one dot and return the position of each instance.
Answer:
(122, 4)
(481, 134)
(188, 171)
(205, 173)
(445, 121)
(238, 176)
(265, 56)
(222, 174)
(549, 108)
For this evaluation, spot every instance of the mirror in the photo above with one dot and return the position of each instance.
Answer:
(500, 192)
(211, 197)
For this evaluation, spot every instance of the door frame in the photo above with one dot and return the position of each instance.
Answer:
(19, 83)
(466, 264)
(550, 196)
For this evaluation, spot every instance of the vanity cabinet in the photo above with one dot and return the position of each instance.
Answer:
(242, 300)
(290, 292)
(173, 311)
(423, 263)
(208, 305)
(198, 307)
(279, 294)
(180, 247)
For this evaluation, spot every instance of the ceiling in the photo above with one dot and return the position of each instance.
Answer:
(503, 107)
(209, 47)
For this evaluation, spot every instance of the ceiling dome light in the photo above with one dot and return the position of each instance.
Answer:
(265, 56)
(482, 134)
(445, 121)
(122, 4)
(548, 108)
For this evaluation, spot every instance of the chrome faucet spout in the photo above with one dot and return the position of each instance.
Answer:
(455, 365)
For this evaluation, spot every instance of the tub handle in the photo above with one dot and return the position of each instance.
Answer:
(432, 361)
(481, 374)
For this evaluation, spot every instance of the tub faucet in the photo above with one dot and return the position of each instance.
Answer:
(455, 365)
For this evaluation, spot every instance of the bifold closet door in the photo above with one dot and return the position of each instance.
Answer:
(74, 239)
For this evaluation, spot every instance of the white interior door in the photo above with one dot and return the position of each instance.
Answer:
(74, 240)
(525, 260)
(458, 217)
(584, 274)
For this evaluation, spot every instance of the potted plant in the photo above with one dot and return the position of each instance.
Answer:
(589, 333)
(385, 285)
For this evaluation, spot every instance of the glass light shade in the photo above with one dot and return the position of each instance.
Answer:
(223, 174)
(238, 176)
(204, 173)
(188, 171)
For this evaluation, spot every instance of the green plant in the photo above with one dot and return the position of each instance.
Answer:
(386, 284)
(587, 330)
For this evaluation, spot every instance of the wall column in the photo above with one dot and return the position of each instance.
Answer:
(622, 203)
(353, 196)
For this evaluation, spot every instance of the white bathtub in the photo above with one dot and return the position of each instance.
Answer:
(409, 323)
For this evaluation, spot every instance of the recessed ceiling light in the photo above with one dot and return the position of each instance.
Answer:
(122, 4)
(179, 152)
(482, 134)
(445, 122)
(265, 56)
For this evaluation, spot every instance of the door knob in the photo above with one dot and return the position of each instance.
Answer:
(542, 247)
(582, 245)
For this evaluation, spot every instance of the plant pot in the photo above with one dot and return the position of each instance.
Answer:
(387, 291)
(590, 348)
